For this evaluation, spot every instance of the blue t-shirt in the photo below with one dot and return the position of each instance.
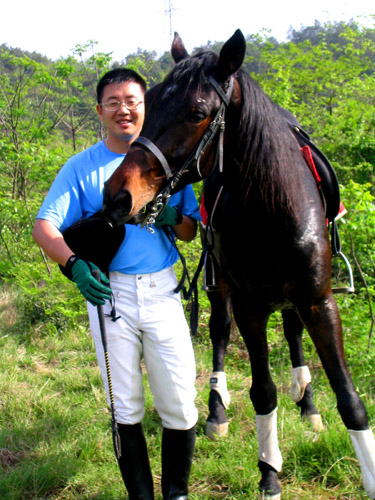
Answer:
(77, 193)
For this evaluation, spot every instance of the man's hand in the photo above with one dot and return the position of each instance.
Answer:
(94, 291)
(170, 216)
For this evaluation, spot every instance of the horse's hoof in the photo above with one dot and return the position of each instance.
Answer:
(266, 496)
(214, 431)
(316, 422)
(269, 487)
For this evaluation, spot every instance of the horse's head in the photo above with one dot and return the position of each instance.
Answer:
(184, 115)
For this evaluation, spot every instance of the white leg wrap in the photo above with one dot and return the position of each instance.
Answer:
(364, 446)
(218, 382)
(268, 446)
(300, 378)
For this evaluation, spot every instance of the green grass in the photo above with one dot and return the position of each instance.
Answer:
(55, 439)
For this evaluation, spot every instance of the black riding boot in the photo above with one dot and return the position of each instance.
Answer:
(176, 456)
(134, 463)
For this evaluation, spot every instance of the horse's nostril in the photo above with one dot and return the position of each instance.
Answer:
(118, 208)
(123, 202)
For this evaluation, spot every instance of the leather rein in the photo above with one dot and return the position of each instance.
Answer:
(156, 207)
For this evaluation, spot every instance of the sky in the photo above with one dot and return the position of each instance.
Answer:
(122, 26)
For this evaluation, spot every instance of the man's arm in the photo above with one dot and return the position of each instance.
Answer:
(184, 227)
(187, 230)
(50, 239)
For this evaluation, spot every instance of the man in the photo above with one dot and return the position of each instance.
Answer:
(152, 324)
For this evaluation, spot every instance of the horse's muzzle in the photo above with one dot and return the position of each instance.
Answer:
(117, 210)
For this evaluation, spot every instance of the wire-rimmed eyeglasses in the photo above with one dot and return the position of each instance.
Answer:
(116, 105)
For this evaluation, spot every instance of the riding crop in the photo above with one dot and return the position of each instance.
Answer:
(115, 432)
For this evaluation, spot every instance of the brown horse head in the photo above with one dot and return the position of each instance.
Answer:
(179, 111)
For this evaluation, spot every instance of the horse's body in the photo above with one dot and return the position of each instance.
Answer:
(272, 244)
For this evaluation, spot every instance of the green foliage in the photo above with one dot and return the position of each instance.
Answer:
(358, 235)
(46, 299)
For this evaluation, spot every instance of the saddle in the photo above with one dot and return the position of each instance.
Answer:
(320, 166)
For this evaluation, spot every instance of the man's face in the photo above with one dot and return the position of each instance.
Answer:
(123, 124)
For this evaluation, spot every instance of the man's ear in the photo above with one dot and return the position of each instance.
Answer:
(99, 110)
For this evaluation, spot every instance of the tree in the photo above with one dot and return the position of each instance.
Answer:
(35, 100)
(77, 88)
(143, 62)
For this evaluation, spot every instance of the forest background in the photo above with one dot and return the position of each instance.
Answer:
(324, 74)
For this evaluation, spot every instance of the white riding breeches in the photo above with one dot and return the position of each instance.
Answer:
(151, 326)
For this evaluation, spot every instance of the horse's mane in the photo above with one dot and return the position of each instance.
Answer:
(268, 152)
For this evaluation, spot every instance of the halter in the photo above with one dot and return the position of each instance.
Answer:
(155, 208)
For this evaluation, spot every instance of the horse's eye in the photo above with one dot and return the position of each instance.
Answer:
(197, 116)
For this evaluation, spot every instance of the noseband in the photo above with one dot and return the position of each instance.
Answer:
(155, 208)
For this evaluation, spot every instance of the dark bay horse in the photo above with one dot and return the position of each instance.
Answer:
(212, 204)
(272, 243)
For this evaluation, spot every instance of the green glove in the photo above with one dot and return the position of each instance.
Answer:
(93, 291)
(170, 216)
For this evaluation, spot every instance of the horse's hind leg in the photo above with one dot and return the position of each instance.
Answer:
(301, 390)
(323, 323)
(220, 325)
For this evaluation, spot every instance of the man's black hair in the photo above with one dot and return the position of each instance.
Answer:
(118, 75)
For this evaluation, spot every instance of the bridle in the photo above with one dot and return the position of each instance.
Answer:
(155, 208)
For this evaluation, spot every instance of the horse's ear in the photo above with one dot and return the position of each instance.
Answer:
(178, 48)
(231, 56)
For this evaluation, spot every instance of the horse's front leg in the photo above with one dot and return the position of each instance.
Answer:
(301, 390)
(263, 396)
(323, 323)
(220, 325)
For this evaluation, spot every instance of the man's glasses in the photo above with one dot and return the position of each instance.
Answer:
(116, 105)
